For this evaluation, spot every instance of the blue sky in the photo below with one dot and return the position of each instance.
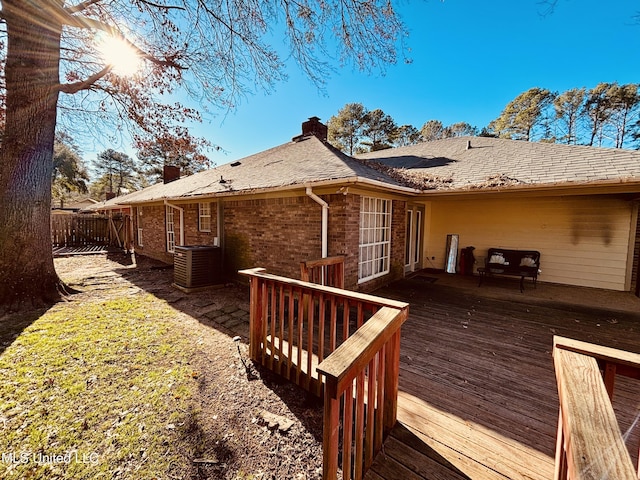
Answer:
(470, 58)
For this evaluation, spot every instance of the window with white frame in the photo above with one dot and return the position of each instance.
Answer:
(375, 238)
(140, 244)
(204, 217)
(171, 230)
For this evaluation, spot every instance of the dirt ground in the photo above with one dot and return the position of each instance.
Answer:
(249, 423)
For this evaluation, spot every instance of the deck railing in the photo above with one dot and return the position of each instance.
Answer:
(345, 344)
(326, 271)
(589, 443)
(370, 362)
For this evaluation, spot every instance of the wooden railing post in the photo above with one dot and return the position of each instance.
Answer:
(373, 351)
(587, 424)
(560, 470)
(325, 271)
(609, 378)
(391, 382)
(330, 433)
(255, 317)
(304, 272)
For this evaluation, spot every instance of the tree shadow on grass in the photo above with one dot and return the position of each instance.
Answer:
(239, 394)
(223, 307)
(206, 447)
(13, 324)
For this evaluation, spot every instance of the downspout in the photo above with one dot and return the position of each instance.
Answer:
(325, 220)
(220, 230)
(166, 202)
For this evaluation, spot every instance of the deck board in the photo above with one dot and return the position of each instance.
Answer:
(478, 394)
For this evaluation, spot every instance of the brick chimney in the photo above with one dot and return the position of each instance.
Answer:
(313, 126)
(110, 195)
(170, 173)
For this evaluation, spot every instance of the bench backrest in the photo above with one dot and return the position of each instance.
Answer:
(514, 258)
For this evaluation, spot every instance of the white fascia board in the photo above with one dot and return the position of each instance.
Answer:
(296, 186)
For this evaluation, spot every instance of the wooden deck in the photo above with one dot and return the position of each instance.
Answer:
(478, 396)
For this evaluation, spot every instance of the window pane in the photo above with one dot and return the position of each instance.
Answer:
(171, 239)
(204, 217)
(375, 237)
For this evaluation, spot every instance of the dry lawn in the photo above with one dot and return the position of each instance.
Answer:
(134, 379)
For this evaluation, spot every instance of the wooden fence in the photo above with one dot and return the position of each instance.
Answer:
(342, 344)
(89, 230)
(79, 230)
(589, 443)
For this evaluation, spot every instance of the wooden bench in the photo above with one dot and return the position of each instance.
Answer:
(519, 263)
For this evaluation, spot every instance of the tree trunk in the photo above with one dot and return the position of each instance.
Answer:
(26, 154)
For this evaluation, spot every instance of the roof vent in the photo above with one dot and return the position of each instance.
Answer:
(468, 144)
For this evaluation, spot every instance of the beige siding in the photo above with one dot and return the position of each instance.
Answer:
(582, 240)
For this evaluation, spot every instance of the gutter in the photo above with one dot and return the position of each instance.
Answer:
(293, 186)
(560, 188)
(168, 204)
(325, 220)
(556, 188)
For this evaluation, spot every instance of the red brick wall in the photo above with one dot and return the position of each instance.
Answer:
(344, 238)
(192, 234)
(344, 221)
(154, 230)
(635, 274)
(276, 234)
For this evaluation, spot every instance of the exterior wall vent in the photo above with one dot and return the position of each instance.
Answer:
(196, 266)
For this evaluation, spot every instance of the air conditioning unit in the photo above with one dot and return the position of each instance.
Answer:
(196, 266)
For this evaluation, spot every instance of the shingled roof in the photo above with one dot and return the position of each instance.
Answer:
(304, 161)
(451, 165)
(465, 163)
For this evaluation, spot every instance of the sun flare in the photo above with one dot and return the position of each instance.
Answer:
(120, 55)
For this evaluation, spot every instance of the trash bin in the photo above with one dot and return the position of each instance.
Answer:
(467, 261)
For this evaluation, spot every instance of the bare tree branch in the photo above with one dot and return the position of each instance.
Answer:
(82, 6)
(85, 84)
(159, 6)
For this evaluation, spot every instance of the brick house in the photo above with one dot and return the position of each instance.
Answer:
(299, 201)
(390, 212)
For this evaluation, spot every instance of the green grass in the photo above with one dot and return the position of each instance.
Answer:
(96, 390)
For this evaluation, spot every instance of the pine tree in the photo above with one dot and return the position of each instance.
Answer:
(346, 129)
(522, 114)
